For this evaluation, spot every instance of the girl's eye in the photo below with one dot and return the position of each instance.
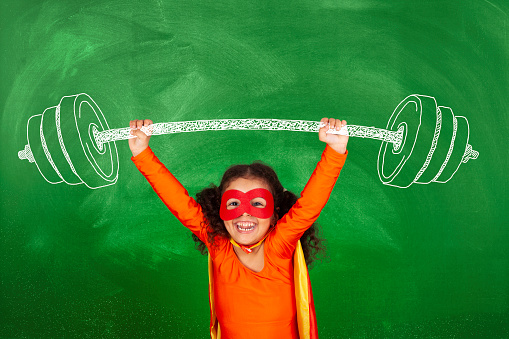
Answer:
(257, 204)
(232, 204)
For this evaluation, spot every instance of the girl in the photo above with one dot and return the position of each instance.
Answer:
(258, 281)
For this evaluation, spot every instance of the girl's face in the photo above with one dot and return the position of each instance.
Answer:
(247, 229)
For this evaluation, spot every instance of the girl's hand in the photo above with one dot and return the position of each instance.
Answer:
(335, 141)
(138, 145)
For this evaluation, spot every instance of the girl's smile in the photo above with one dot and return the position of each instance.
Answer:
(244, 226)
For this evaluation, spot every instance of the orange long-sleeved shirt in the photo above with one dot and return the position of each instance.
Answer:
(251, 304)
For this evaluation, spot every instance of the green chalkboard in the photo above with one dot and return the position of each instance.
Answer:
(426, 261)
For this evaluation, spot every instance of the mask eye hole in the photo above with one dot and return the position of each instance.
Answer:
(258, 203)
(232, 204)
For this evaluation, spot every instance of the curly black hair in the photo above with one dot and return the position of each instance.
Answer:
(210, 200)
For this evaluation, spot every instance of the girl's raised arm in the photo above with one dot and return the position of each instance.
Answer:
(167, 187)
(317, 190)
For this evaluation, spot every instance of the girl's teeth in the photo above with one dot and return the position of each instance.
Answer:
(245, 226)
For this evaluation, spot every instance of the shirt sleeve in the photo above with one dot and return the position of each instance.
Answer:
(171, 192)
(313, 198)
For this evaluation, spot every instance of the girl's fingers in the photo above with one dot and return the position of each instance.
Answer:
(332, 123)
(138, 124)
(337, 125)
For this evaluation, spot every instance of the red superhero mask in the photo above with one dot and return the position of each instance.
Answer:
(245, 204)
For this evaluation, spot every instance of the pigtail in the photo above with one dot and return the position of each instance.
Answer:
(210, 200)
(199, 245)
(288, 199)
(313, 246)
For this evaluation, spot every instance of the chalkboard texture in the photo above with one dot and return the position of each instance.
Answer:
(427, 261)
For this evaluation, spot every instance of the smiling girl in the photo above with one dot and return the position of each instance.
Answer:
(251, 228)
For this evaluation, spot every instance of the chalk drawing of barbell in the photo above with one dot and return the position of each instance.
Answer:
(72, 142)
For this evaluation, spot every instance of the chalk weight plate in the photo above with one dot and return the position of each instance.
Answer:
(443, 139)
(418, 114)
(77, 116)
(34, 141)
(459, 147)
(50, 143)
